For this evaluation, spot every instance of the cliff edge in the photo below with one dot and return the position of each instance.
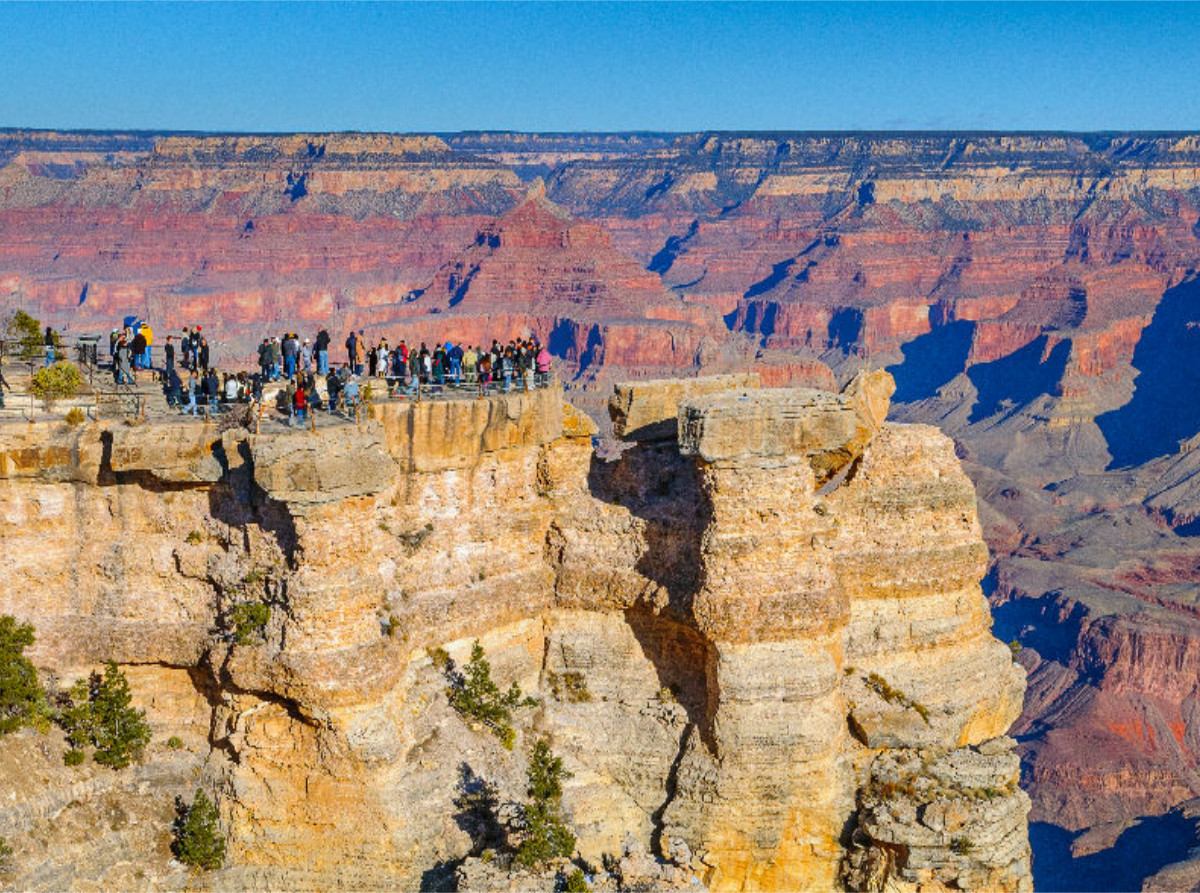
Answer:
(760, 645)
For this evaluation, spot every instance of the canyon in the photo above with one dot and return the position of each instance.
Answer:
(1033, 295)
(783, 671)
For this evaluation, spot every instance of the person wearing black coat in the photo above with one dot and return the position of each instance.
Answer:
(174, 385)
(139, 350)
(212, 384)
(203, 355)
(321, 351)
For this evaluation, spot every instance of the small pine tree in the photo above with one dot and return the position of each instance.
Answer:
(546, 833)
(96, 712)
(198, 838)
(474, 693)
(22, 699)
(249, 621)
(26, 330)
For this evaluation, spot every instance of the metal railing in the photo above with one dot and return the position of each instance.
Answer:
(123, 401)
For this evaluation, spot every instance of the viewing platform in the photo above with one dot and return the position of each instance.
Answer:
(100, 398)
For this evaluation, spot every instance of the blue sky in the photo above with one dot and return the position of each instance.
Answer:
(599, 66)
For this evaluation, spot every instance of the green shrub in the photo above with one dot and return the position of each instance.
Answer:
(576, 883)
(441, 658)
(249, 621)
(198, 838)
(96, 713)
(1015, 647)
(22, 699)
(55, 382)
(174, 742)
(194, 536)
(961, 846)
(74, 757)
(5, 856)
(75, 417)
(570, 687)
(474, 694)
(546, 835)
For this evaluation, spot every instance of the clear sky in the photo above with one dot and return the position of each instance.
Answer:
(599, 66)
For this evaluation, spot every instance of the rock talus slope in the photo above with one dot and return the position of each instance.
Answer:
(780, 660)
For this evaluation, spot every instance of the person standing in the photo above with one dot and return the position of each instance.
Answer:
(169, 356)
(321, 347)
(148, 334)
(192, 387)
(212, 385)
(124, 362)
(196, 339)
(202, 355)
(138, 346)
(333, 387)
(300, 402)
(173, 387)
(48, 343)
(288, 347)
(306, 356)
(542, 366)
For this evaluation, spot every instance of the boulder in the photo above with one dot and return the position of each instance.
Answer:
(831, 430)
(647, 410)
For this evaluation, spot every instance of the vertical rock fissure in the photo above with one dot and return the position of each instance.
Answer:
(671, 786)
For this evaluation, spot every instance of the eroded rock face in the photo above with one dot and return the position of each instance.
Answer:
(647, 410)
(724, 653)
(953, 818)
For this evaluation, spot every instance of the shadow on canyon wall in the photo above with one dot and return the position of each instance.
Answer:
(1018, 378)
(931, 361)
(1165, 407)
(1147, 846)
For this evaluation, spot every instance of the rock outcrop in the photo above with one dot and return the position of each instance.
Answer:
(726, 655)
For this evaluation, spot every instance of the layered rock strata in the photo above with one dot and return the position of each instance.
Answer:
(746, 645)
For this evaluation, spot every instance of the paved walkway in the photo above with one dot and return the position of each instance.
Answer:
(146, 400)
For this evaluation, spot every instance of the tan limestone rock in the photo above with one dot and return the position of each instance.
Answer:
(700, 629)
(647, 410)
(577, 423)
(326, 466)
(830, 430)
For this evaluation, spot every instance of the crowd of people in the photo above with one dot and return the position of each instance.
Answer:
(131, 349)
(405, 367)
(190, 381)
(194, 383)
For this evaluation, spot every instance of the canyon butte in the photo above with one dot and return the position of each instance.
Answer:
(757, 638)
(1034, 299)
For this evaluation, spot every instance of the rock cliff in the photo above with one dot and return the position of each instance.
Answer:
(767, 658)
